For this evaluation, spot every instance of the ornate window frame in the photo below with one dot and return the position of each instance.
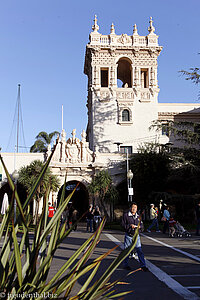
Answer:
(121, 109)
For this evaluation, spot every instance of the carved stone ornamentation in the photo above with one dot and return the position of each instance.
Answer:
(95, 50)
(125, 104)
(124, 39)
(105, 96)
(136, 52)
(145, 96)
(125, 95)
(57, 153)
(112, 51)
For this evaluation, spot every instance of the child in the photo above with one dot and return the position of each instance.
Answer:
(172, 230)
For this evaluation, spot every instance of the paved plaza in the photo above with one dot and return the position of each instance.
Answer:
(174, 264)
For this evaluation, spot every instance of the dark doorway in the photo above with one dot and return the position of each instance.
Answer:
(21, 192)
(80, 199)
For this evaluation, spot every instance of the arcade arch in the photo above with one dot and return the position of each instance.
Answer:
(20, 190)
(80, 199)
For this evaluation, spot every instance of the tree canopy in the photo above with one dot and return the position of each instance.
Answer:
(43, 139)
(150, 168)
(193, 74)
(29, 174)
(102, 187)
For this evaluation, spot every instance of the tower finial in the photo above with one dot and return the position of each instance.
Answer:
(151, 29)
(95, 27)
(135, 30)
(112, 29)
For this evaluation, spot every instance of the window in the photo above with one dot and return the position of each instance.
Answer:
(144, 78)
(125, 115)
(104, 77)
(124, 71)
(123, 149)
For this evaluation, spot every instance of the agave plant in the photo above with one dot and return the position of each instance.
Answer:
(20, 274)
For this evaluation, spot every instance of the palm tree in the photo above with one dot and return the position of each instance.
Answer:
(29, 174)
(43, 139)
(101, 187)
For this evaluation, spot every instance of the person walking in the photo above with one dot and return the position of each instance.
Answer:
(51, 211)
(97, 218)
(64, 216)
(198, 218)
(74, 218)
(130, 221)
(153, 218)
(165, 218)
(89, 218)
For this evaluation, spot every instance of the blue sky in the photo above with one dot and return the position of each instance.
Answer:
(43, 47)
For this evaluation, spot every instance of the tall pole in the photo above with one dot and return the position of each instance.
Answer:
(127, 167)
(130, 185)
(62, 116)
(18, 103)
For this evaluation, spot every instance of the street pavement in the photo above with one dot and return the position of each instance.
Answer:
(174, 264)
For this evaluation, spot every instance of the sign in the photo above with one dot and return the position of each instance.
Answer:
(130, 191)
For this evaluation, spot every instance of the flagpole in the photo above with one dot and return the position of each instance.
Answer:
(18, 102)
(62, 116)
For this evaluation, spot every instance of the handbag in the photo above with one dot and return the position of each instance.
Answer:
(163, 219)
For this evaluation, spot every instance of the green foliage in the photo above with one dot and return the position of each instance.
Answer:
(100, 183)
(112, 195)
(184, 174)
(28, 174)
(25, 262)
(48, 183)
(187, 132)
(151, 169)
(193, 74)
(43, 139)
(101, 187)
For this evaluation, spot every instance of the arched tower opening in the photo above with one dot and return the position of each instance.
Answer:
(124, 73)
(80, 199)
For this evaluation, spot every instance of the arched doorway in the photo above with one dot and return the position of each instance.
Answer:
(21, 192)
(80, 199)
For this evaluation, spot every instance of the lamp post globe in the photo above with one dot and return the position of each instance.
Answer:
(130, 189)
(130, 174)
(15, 175)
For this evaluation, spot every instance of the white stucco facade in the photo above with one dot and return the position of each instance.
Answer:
(14, 161)
(122, 104)
(123, 90)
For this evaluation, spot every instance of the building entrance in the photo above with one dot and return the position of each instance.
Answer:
(80, 199)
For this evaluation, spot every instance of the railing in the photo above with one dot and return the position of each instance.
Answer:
(119, 40)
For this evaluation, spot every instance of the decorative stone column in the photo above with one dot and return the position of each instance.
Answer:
(83, 146)
(63, 144)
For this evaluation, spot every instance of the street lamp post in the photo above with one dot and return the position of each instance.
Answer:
(130, 189)
(15, 176)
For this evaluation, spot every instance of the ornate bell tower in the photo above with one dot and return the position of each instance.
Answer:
(122, 88)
